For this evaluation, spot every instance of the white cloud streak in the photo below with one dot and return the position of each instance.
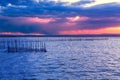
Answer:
(99, 2)
(16, 6)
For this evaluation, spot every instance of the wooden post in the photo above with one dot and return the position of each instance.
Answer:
(31, 46)
(3, 44)
(40, 45)
(44, 47)
(23, 44)
(34, 45)
(16, 46)
(8, 46)
(26, 45)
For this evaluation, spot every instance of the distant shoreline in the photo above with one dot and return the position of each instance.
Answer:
(89, 35)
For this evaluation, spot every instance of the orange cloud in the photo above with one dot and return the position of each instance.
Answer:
(31, 20)
(111, 30)
(11, 33)
(77, 18)
(72, 21)
(40, 20)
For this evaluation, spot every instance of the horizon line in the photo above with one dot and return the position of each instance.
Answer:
(59, 35)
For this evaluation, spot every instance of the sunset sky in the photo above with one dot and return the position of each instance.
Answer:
(50, 17)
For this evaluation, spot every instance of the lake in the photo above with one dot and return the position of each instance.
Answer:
(67, 58)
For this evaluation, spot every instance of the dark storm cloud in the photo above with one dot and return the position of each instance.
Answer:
(33, 9)
(7, 25)
(52, 8)
(99, 24)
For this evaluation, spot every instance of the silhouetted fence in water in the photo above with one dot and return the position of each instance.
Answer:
(15, 45)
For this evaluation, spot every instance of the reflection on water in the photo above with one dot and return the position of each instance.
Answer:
(65, 60)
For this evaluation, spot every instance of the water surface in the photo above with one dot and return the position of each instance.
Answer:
(66, 59)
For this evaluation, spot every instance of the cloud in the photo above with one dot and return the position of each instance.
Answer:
(29, 8)
(16, 6)
(99, 2)
(1, 9)
(57, 25)
(55, 16)
(64, 1)
(18, 24)
(40, 20)
(77, 18)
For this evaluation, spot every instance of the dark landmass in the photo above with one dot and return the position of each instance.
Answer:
(85, 35)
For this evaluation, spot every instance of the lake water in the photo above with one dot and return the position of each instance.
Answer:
(77, 58)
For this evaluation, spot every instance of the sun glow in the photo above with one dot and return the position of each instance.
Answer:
(111, 30)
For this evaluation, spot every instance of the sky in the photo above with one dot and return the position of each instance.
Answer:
(64, 17)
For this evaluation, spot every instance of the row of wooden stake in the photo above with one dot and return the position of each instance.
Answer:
(23, 45)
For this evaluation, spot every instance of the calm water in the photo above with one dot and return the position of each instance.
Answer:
(86, 59)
